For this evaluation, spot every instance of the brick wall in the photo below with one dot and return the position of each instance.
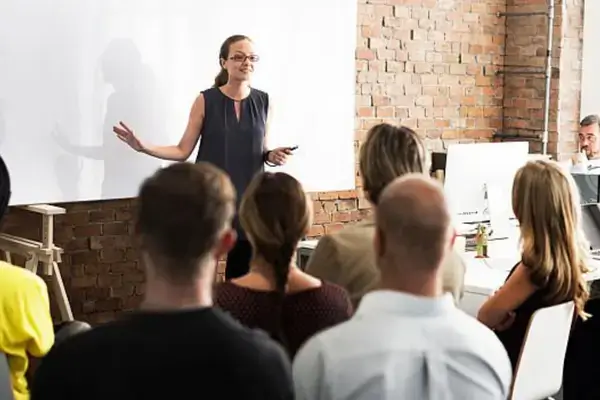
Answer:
(526, 47)
(429, 64)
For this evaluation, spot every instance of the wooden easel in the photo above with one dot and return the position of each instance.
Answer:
(44, 253)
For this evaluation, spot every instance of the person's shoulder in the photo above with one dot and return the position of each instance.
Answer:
(81, 350)
(251, 344)
(262, 97)
(328, 340)
(227, 294)
(352, 238)
(19, 278)
(209, 91)
(78, 358)
(208, 95)
(94, 339)
(477, 338)
(335, 291)
(259, 93)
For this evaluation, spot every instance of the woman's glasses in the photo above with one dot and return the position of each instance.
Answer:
(242, 58)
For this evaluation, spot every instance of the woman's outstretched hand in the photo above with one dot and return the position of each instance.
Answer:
(126, 134)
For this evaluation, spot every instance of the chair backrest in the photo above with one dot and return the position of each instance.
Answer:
(539, 372)
(6, 391)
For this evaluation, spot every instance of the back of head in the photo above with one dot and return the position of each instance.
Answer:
(547, 205)
(4, 188)
(275, 214)
(413, 225)
(387, 153)
(183, 211)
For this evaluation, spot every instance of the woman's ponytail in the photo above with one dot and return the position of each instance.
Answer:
(221, 78)
(280, 258)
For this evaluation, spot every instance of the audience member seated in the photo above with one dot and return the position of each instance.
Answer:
(179, 345)
(275, 295)
(554, 256)
(346, 257)
(589, 142)
(26, 331)
(407, 339)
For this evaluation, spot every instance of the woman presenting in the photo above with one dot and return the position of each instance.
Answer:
(233, 120)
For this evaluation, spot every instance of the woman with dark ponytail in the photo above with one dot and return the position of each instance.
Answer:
(276, 296)
(233, 119)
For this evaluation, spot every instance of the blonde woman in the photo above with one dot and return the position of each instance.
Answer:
(554, 256)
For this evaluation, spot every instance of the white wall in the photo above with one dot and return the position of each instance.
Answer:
(590, 85)
(71, 69)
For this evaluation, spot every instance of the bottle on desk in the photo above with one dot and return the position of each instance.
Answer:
(481, 242)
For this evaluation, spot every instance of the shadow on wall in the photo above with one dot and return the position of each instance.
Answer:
(134, 99)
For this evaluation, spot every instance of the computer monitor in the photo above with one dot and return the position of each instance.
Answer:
(590, 221)
(588, 185)
(472, 168)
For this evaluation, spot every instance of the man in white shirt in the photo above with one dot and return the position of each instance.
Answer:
(407, 340)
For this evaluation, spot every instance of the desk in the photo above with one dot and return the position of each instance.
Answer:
(482, 276)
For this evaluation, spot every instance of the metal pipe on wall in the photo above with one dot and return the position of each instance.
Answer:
(548, 76)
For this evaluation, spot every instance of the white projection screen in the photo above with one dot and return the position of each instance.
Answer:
(71, 69)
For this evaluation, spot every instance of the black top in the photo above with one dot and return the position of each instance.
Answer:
(200, 353)
(236, 146)
(513, 337)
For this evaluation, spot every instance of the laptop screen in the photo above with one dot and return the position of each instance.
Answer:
(590, 214)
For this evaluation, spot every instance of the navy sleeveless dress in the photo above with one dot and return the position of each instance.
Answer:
(236, 146)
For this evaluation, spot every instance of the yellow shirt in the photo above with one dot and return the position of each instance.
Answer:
(26, 327)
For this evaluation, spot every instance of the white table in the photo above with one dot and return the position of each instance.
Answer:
(482, 276)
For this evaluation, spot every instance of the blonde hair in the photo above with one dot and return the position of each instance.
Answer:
(387, 153)
(275, 213)
(546, 203)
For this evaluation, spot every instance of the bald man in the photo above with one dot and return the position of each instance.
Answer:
(407, 339)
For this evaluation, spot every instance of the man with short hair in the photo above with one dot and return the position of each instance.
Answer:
(178, 345)
(407, 339)
(346, 257)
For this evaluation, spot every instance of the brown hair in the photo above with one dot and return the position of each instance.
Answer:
(182, 210)
(387, 153)
(222, 77)
(590, 120)
(275, 214)
(546, 203)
